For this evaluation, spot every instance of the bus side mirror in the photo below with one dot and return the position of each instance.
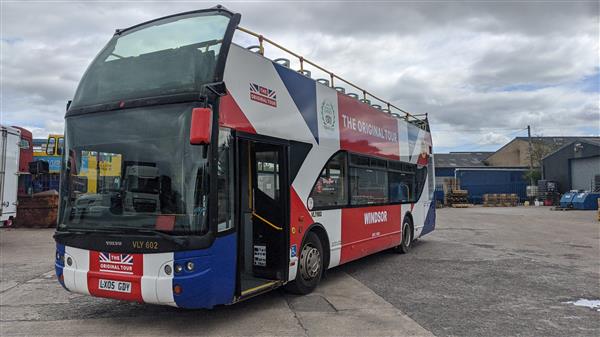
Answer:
(200, 128)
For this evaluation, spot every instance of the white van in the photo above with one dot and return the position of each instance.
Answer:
(9, 168)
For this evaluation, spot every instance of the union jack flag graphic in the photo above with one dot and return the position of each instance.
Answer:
(116, 263)
(116, 258)
(263, 95)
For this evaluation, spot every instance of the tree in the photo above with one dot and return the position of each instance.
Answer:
(539, 150)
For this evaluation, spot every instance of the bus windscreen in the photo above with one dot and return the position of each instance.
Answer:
(123, 171)
(170, 56)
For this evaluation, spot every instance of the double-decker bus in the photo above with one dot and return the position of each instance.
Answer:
(237, 174)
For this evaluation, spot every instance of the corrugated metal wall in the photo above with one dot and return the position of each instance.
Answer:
(484, 181)
(583, 171)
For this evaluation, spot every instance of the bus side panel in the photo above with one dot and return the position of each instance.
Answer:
(366, 130)
(367, 230)
(259, 98)
(332, 222)
(429, 225)
(213, 280)
(59, 264)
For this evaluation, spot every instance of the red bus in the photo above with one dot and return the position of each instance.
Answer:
(238, 173)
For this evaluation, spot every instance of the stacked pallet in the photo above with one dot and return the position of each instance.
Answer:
(500, 200)
(457, 198)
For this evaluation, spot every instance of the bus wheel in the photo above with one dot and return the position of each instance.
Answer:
(310, 266)
(407, 238)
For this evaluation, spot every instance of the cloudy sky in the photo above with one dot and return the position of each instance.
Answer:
(483, 70)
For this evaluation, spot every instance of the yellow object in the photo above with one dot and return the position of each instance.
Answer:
(109, 165)
(267, 221)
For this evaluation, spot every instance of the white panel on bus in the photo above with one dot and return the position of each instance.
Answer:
(75, 276)
(403, 141)
(154, 289)
(332, 221)
(244, 68)
(329, 141)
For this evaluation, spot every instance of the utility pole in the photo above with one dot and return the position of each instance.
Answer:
(530, 156)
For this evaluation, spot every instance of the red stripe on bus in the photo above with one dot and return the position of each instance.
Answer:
(366, 130)
(367, 230)
(121, 272)
(230, 115)
(300, 219)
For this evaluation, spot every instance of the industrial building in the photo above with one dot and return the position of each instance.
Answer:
(575, 166)
(573, 162)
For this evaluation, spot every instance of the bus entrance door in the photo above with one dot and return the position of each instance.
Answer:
(263, 203)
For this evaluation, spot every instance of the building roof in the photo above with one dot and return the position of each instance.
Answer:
(555, 140)
(461, 159)
(595, 141)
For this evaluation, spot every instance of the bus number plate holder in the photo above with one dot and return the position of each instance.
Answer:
(118, 286)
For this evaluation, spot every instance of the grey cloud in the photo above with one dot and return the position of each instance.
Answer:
(450, 59)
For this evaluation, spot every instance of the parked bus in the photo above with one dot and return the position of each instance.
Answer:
(50, 150)
(249, 175)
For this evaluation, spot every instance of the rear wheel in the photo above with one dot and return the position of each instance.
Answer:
(407, 238)
(310, 266)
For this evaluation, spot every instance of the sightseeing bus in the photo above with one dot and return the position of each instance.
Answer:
(237, 174)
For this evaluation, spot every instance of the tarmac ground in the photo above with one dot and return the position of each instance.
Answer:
(483, 272)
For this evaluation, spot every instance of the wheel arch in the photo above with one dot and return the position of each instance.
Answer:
(321, 233)
(411, 222)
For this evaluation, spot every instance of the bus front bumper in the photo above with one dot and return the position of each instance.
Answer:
(190, 279)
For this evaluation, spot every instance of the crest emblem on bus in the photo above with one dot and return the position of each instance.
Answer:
(328, 118)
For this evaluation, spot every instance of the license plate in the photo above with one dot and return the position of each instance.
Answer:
(118, 286)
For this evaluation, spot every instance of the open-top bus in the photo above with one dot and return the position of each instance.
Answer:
(236, 173)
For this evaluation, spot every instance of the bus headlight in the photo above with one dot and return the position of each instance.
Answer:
(178, 268)
(189, 266)
(168, 269)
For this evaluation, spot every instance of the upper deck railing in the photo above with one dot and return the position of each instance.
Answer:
(333, 78)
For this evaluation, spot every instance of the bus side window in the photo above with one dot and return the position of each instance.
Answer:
(267, 172)
(51, 145)
(330, 188)
(401, 186)
(368, 186)
(225, 182)
(61, 146)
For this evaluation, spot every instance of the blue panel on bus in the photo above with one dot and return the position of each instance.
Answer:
(212, 281)
(59, 263)
(303, 91)
(429, 225)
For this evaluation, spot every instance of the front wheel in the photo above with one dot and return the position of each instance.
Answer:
(407, 238)
(310, 266)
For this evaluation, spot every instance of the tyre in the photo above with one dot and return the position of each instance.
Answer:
(407, 238)
(310, 266)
